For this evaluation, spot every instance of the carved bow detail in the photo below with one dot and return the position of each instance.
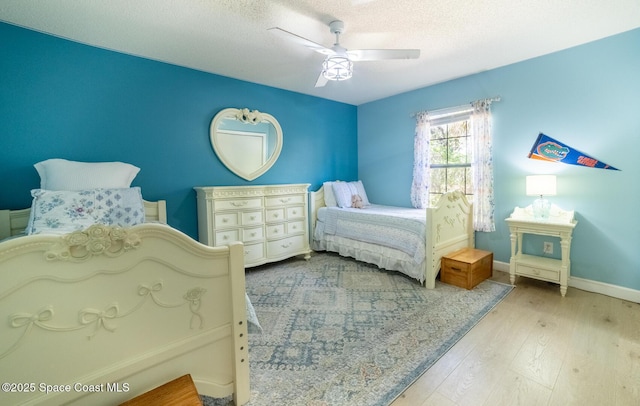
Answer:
(25, 319)
(144, 290)
(100, 317)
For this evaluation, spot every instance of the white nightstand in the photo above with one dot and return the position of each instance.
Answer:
(559, 224)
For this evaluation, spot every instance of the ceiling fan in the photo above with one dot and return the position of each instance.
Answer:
(338, 65)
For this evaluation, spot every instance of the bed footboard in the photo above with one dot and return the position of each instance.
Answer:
(449, 228)
(103, 315)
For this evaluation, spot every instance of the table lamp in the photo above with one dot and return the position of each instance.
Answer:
(541, 185)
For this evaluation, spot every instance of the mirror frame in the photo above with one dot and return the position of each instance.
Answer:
(248, 117)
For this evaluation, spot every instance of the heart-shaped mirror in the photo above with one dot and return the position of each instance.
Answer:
(248, 142)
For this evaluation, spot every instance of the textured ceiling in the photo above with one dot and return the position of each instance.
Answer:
(230, 37)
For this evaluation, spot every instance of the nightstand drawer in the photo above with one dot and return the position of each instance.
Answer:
(538, 273)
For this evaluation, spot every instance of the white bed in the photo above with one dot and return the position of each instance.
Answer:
(445, 228)
(102, 315)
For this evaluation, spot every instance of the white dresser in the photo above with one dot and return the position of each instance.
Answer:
(271, 220)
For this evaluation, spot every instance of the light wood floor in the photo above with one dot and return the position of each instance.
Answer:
(538, 348)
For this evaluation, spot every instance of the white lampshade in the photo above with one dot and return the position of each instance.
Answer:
(337, 67)
(541, 185)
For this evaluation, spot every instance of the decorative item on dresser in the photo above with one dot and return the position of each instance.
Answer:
(271, 220)
(560, 224)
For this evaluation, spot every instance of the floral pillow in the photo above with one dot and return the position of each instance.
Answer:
(62, 212)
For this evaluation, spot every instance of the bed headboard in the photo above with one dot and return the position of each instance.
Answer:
(316, 201)
(13, 222)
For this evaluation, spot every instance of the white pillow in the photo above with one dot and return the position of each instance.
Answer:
(363, 195)
(329, 197)
(344, 191)
(62, 211)
(60, 174)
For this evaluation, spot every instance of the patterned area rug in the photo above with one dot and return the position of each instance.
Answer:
(341, 332)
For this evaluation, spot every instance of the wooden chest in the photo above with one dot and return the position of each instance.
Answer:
(467, 267)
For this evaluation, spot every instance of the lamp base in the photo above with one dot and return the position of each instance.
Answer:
(541, 208)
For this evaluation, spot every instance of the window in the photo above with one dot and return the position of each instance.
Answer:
(450, 143)
(453, 149)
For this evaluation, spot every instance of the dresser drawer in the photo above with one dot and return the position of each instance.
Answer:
(270, 220)
(284, 200)
(251, 218)
(252, 234)
(285, 246)
(276, 230)
(295, 227)
(538, 273)
(253, 252)
(235, 204)
(226, 220)
(275, 215)
(227, 236)
(296, 212)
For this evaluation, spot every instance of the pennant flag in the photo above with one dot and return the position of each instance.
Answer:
(547, 149)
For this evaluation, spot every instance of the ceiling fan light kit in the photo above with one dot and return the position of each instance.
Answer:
(337, 68)
(339, 62)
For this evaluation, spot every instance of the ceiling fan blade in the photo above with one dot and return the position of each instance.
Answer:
(321, 81)
(301, 41)
(382, 54)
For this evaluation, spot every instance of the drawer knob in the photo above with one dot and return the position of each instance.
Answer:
(285, 200)
(286, 245)
(239, 204)
(253, 234)
(294, 227)
(453, 268)
(225, 220)
(275, 215)
(252, 217)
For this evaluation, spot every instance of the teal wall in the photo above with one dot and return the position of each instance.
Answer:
(587, 97)
(61, 99)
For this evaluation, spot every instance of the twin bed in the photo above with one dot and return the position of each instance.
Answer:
(411, 241)
(103, 314)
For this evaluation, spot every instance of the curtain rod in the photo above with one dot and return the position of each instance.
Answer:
(456, 108)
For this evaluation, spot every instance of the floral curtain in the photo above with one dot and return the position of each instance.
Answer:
(421, 162)
(482, 167)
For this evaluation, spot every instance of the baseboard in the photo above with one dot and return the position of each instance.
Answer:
(589, 285)
(501, 266)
